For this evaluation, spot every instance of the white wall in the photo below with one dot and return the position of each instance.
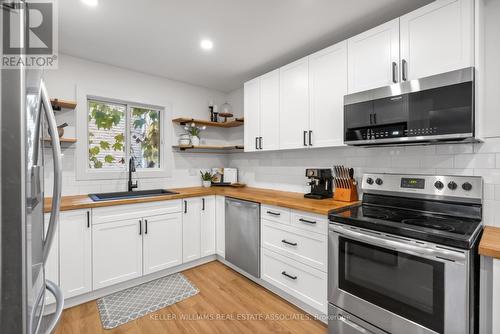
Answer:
(185, 100)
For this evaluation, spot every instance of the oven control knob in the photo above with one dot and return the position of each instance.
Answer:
(467, 186)
(452, 185)
(379, 181)
(369, 180)
(439, 185)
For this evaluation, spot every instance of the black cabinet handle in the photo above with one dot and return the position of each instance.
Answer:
(260, 143)
(288, 275)
(146, 226)
(307, 221)
(256, 143)
(371, 119)
(404, 69)
(305, 135)
(274, 213)
(185, 206)
(288, 242)
(374, 118)
(140, 227)
(203, 204)
(310, 138)
(394, 72)
(88, 219)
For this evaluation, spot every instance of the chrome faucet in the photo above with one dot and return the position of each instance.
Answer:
(131, 168)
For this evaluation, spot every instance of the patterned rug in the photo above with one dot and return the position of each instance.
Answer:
(127, 305)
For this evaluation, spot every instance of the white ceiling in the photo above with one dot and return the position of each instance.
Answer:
(251, 37)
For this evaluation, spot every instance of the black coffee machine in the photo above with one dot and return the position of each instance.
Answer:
(321, 181)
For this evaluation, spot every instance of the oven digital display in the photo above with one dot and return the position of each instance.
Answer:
(412, 183)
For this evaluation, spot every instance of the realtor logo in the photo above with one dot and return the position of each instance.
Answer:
(29, 34)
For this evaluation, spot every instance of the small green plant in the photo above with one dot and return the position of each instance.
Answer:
(194, 130)
(207, 176)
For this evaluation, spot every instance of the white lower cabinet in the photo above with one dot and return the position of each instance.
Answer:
(117, 252)
(52, 265)
(162, 239)
(303, 282)
(207, 216)
(75, 248)
(220, 225)
(191, 229)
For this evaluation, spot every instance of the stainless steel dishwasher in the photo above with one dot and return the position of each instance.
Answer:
(243, 235)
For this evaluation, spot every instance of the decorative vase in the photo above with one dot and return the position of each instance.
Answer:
(195, 141)
(207, 184)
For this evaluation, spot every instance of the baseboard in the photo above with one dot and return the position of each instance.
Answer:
(87, 297)
(286, 296)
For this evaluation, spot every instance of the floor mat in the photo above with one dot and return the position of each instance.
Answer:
(127, 305)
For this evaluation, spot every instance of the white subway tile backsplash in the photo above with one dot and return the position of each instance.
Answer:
(475, 161)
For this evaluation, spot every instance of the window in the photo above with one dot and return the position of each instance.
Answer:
(119, 131)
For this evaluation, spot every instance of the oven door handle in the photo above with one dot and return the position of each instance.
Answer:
(382, 241)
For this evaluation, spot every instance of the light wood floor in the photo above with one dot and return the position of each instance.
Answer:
(223, 293)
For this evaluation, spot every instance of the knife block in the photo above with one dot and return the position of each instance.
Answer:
(346, 194)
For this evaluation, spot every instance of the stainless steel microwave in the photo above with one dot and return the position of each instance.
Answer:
(432, 109)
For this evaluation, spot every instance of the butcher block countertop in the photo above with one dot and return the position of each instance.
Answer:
(284, 199)
(490, 242)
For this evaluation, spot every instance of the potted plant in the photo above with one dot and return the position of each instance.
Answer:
(206, 178)
(194, 132)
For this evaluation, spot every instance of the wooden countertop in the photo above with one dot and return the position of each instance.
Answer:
(285, 199)
(490, 242)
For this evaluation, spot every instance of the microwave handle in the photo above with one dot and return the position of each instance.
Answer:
(383, 241)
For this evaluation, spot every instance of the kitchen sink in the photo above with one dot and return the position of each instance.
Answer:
(130, 194)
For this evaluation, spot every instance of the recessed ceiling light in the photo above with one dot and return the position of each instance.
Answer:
(92, 3)
(207, 44)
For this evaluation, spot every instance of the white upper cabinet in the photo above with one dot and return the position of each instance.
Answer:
(374, 57)
(162, 238)
(294, 105)
(117, 252)
(327, 86)
(191, 229)
(75, 252)
(207, 225)
(437, 38)
(252, 115)
(269, 110)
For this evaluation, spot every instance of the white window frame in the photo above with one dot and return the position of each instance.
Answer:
(84, 172)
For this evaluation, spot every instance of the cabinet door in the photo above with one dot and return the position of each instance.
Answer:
(327, 86)
(252, 115)
(294, 105)
(76, 250)
(269, 110)
(438, 38)
(207, 225)
(162, 242)
(52, 265)
(220, 225)
(191, 237)
(116, 252)
(374, 57)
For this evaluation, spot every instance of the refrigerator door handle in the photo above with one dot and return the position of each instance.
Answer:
(56, 291)
(56, 155)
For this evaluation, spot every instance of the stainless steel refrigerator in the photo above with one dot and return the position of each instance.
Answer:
(24, 244)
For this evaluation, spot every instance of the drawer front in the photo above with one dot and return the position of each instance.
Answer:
(304, 283)
(310, 222)
(275, 214)
(306, 247)
(128, 211)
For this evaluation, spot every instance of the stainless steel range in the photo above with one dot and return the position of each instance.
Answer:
(405, 260)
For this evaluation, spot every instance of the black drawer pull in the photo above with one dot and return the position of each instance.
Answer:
(288, 275)
(289, 243)
(274, 213)
(307, 221)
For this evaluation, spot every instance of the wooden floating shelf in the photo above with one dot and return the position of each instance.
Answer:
(229, 124)
(62, 104)
(62, 140)
(208, 147)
